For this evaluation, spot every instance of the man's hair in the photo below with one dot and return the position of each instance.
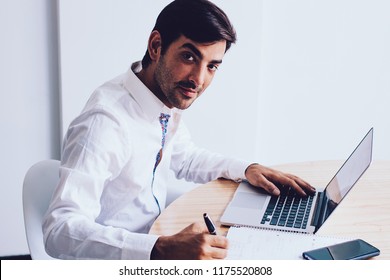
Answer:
(199, 20)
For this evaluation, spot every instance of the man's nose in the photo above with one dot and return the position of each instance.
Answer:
(198, 76)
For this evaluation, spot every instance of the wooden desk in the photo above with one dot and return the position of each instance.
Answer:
(364, 213)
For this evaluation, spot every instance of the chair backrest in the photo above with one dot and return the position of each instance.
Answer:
(38, 186)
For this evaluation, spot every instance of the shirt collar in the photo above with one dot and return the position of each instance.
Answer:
(149, 103)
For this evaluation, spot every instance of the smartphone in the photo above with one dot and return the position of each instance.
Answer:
(357, 249)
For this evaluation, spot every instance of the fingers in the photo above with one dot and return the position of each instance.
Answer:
(215, 247)
(301, 184)
(219, 254)
(199, 243)
(190, 246)
(301, 187)
(270, 180)
(218, 241)
(261, 181)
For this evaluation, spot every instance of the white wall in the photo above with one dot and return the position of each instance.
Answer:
(29, 106)
(325, 79)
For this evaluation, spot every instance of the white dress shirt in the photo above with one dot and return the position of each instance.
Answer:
(106, 199)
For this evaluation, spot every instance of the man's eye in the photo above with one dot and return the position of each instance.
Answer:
(188, 56)
(213, 67)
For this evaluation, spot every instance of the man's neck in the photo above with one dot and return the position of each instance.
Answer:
(146, 77)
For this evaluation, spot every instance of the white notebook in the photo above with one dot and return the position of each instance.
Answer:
(248, 243)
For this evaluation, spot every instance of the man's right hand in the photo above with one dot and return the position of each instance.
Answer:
(192, 243)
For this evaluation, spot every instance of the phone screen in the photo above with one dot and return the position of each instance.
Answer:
(351, 250)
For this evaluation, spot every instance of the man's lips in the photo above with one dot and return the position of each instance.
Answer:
(188, 92)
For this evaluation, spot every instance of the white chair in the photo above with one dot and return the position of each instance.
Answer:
(38, 186)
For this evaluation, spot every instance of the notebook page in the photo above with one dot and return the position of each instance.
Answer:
(251, 243)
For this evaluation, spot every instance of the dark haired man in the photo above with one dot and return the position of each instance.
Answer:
(117, 153)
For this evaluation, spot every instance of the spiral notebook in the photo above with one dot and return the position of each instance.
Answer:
(248, 243)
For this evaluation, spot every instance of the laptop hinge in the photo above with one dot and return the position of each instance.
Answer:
(317, 210)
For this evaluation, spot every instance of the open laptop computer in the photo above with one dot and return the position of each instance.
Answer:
(254, 207)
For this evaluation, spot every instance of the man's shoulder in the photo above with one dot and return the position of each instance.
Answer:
(110, 95)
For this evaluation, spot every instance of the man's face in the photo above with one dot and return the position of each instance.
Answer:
(185, 70)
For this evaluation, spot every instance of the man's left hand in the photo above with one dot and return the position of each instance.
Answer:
(271, 180)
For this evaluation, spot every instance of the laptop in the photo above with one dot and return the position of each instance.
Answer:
(251, 206)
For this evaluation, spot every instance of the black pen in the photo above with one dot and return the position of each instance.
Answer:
(210, 225)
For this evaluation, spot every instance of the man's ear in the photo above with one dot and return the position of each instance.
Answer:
(154, 45)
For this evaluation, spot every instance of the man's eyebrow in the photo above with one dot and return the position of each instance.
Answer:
(198, 53)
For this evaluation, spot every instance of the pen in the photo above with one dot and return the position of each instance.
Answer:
(209, 223)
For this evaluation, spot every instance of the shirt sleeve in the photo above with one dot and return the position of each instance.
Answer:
(200, 165)
(90, 159)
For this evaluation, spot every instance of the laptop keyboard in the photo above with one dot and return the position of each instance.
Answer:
(288, 209)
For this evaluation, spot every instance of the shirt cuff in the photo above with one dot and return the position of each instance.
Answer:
(138, 246)
(237, 170)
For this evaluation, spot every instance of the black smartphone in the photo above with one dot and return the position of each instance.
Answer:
(357, 249)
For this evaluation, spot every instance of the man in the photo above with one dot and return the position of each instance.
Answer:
(117, 153)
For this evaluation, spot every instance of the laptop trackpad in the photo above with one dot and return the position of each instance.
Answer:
(249, 200)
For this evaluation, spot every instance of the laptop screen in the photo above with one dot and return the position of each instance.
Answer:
(347, 176)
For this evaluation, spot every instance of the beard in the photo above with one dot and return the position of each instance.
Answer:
(169, 91)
